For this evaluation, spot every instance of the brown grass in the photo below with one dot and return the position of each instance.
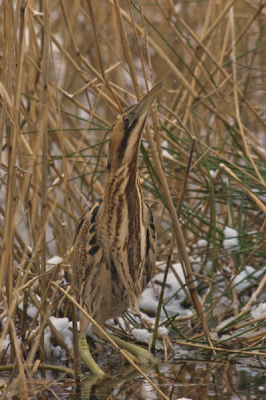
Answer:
(67, 70)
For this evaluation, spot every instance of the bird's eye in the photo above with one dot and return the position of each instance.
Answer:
(126, 119)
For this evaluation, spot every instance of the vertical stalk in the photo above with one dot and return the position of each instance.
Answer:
(75, 343)
(169, 258)
(15, 58)
(45, 71)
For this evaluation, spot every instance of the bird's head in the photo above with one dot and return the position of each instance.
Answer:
(127, 132)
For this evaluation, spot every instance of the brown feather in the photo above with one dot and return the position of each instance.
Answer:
(115, 243)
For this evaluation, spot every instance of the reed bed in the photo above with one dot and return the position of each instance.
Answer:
(67, 71)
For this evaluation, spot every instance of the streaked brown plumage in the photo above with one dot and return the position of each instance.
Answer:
(115, 243)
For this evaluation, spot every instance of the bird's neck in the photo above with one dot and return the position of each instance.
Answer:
(123, 203)
(122, 191)
(121, 230)
(120, 179)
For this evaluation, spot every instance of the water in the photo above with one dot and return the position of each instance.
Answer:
(193, 378)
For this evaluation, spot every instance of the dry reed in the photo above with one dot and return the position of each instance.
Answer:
(67, 70)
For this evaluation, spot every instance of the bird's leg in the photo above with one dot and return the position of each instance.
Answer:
(136, 353)
(84, 350)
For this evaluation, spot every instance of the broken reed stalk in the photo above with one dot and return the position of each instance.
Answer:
(171, 248)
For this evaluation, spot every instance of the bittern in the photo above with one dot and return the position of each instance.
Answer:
(114, 248)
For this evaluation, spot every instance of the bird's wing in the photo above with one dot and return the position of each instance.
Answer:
(85, 247)
(151, 245)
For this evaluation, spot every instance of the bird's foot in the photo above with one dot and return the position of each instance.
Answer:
(143, 356)
(131, 356)
(86, 357)
(136, 353)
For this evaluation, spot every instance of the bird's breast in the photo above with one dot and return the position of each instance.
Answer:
(123, 240)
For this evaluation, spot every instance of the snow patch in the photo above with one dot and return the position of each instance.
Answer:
(202, 243)
(230, 242)
(183, 398)
(259, 311)
(142, 335)
(149, 298)
(167, 155)
(5, 345)
(213, 173)
(243, 279)
(162, 331)
(62, 326)
(53, 261)
(224, 323)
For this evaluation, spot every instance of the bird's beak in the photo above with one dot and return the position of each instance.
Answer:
(144, 105)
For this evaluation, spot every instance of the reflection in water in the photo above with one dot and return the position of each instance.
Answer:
(196, 380)
(193, 379)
